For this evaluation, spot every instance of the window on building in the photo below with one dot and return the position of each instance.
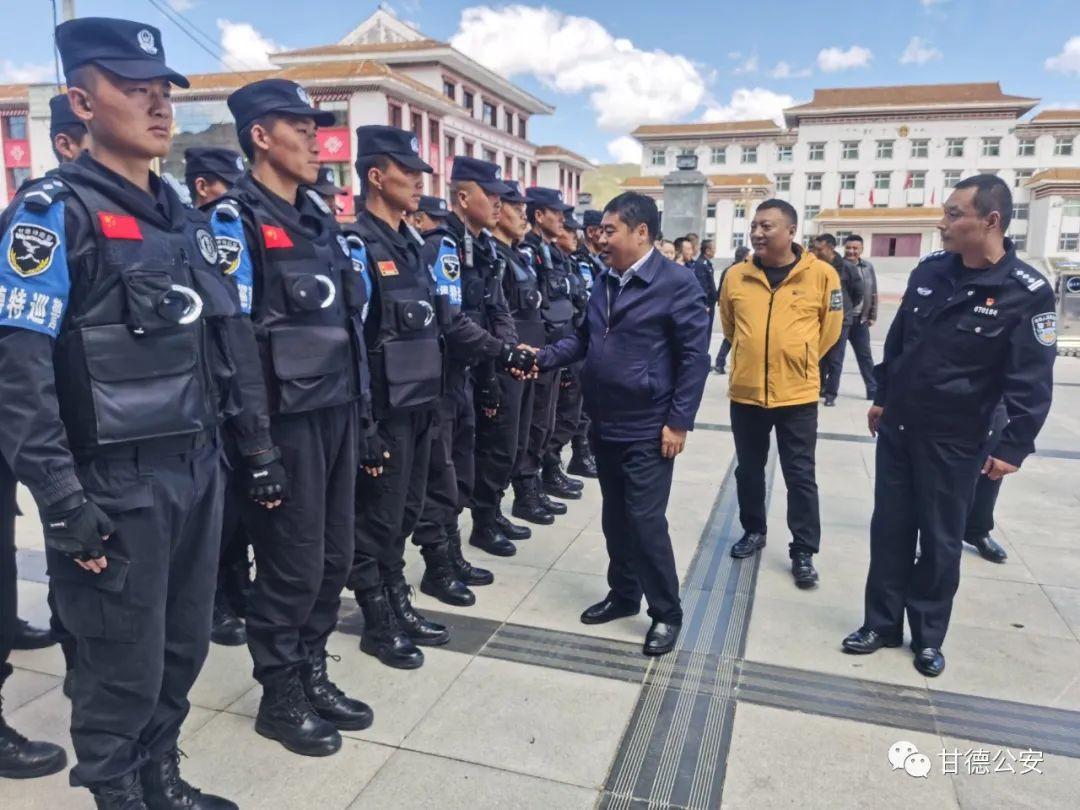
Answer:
(881, 180)
(1020, 211)
(1019, 241)
(784, 153)
(521, 171)
(918, 180)
(509, 123)
(1021, 176)
(920, 148)
(15, 127)
(954, 147)
(657, 157)
(813, 182)
(951, 178)
(991, 147)
(1063, 146)
(737, 240)
(749, 154)
(508, 168)
(468, 148)
(490, 114)
(434, 155)
(686, 150)
(340, 109)
(817, 151)
(783, 182)
(395, 115)
(718, 155)
(1069, 242)
(522, 127)
(811, 211)
(416, 127)
(449, 150)
(449, 89)
(532, 174)
(847, 181)
(1071, 207)
(849, 150)
(710, 211)
(740, 210)
(489, 155)
(468, 101)
(884, 150)
(15, 178)
(841, 237)
(1025, 147)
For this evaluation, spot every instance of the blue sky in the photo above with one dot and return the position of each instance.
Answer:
(609, 65)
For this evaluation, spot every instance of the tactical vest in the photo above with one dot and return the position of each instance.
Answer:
(556, 308)
(523, 297)
(298, 308)
(144, 353)
(404, 344)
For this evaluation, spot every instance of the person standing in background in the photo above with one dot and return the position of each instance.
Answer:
(832, 364)
(865, 313)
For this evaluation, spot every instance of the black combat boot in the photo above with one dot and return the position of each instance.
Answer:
(328, 701)
(527, 505)
(422, 631)
(164, 789)
(554, 507)
(383, 636)
(511, 531)
(124, 793)
(466, 571)
(226, 629)
(28, 637)
(21, 758)
(286, 715)
(557, 484)
(582, 461)
(440, 578)
(491, 540)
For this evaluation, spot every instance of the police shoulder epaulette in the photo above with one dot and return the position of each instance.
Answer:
(448, 241)
(415, 233)
(317, 200)
(41, 195)
(936, 254)
(227, 209)
(1029, 279)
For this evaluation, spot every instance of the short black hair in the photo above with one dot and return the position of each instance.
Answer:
(706, 243)
(682, 240)
(991, 194)
(209, 177)
(741, 252)
(853, 237)
(75, 132)
(783, 206)
(380, 162)
(827, 238)
(247, 146)
(531, 209)
(636, 209)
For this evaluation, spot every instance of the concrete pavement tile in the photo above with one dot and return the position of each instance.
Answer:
(225, 676)
(25, 685)
(34, 608)
(1067, 603)
(586, 555)
(1052, 566)
(841, 566)
(1014, 569)
(523, 718)
(1012, 607)
(1004, 790)
(464, 786)
(196, 719)
(495, 601)
(226, 757)
(780, 758)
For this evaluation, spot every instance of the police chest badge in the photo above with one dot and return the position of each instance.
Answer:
(1045, 327)
(229, 251)
(207, 246)
(836, 301)
(451, 267)
(32, 249)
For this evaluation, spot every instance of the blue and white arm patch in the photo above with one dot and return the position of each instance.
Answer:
(447, 271)
(34, 278)
(233, 254)
(358, 254)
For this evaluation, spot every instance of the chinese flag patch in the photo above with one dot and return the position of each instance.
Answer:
(275, 237)
(388, 268)
(119, 226)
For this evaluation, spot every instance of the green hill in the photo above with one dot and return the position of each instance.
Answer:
(603, 182)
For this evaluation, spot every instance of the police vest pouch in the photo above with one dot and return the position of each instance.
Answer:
(154, 301)
(413, 370)
(309, 364)
(414, 316)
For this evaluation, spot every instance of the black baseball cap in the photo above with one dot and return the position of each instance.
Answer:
(378, 139)
(547, 198)
(513, 193)
(204, 160)
(274, 96)
(61, 115)
(592, 217)
(434, 207)
(326, 185)
(131, 50)
(485, 174)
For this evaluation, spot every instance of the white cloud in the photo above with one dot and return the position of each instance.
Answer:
(785, 71)
(625, 149)
(919, 52)
(749, 66)
(26, 73)
(1068, 61)
(182, 5)
(626, 85)
(833, 59)
(748, 105)
(245, 48)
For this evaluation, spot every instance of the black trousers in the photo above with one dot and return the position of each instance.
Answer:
(452, 467)
(796, 439)
(541, 424)
(580, 439)
(635, 483)
(832, 365)
(721, 356)
(923, 489)
(8, 575)
(303, 548)
(388, 507)
(142, 627)
(567, 414)
(233, 567)
(859, 337)
(500, 444)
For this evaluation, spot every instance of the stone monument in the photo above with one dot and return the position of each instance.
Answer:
(685, 197)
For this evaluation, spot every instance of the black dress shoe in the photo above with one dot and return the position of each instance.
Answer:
(227, 629)
(803, 571)
(830, 402)
(440, 579)
(382, 637)
(929, 661)
(28, 637)
(988, 548)
(749, 543)
(608, 610)
(488, 539)
(554, 507)
(509, 530)
(419, 629)
(328, 701)
(287, 716)
(21, 758)
(164, 788)
(125, 793)
(864, 641)
(661, 638)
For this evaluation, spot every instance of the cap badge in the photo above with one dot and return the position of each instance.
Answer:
(146, 41)
(301, 94)
(442, 205)
(498, 173)
(414, 144)
(239, 163)
(558, 196)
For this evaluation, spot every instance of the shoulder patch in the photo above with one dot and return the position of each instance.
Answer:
(1030, 279)
(234, 259)
(1044, 325)
(836, 301)
(318, 201)
(34, 280)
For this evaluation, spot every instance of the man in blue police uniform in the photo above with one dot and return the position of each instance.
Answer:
(430, 214)
(409, 322)
(115, 378)
(460, 255)
(975, 326)
(293, 266)
(209, 173)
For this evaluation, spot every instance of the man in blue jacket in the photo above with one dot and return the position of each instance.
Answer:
(645, 346)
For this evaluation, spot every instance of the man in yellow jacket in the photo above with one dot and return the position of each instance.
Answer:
(782, 310)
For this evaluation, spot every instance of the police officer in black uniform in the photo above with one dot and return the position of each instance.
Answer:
(405, 331)
(980, 519)
(67, 133)
(502, 439)
(462, 259)
(430, 214)
(545, 211)
(121, 350)
(326, 187)
(209, 173)
(975, 326)
(292, 263)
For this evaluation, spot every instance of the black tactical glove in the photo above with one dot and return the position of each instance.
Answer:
(77, 531)
(514, 358)
(265, 478)
(373, 451)
(488, 394)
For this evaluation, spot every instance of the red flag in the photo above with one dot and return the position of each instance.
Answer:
(871, 198)
(275, 237)
(119, 226)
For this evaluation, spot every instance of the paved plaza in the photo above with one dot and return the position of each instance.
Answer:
(759, 708)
